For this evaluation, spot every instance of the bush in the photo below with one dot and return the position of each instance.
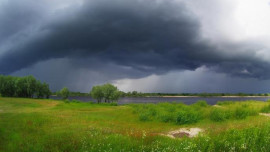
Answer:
(150, 109)
(144, 117)
(245, 105)
(187, 117)
(225, 103)
(219, 115)
(201, 103)
(266, 109)
(241, 113)
(75, 101)
(252, 112)
(166, 117)
(113, 104)
(66, 101)
(169, 107)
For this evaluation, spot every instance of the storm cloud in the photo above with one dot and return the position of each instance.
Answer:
(120, 38)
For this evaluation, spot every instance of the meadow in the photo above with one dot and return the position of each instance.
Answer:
(52, 125)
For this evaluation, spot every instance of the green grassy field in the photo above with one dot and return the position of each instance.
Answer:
(49, 125)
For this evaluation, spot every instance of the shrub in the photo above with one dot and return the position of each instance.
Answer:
(75, 101)
(241, 113)
(144, 117)
(266, 109)
(66, 101)
(166, 117)
(219, 115)
(152, 111)
(252, 112)
(225, 103)
(169, 107)
(245, 105)
(113, 104)
(201, 103)
(187, 117)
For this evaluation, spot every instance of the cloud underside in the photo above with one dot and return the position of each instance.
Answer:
(138, 37)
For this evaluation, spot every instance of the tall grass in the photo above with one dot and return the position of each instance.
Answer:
(266, 109)
(219, 114)
(187, 114)
(187, 117)
(170, 112)
(221, 103)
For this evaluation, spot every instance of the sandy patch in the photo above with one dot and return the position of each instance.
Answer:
(265, 114)
(184, 132)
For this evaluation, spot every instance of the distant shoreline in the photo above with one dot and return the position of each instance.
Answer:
(210, 96)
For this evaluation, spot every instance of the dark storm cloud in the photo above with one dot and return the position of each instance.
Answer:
(18, 15)
(147, 36)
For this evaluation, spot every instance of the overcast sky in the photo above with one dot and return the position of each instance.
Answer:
(145, 45)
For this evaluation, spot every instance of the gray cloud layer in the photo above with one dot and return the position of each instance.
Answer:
(146, 37)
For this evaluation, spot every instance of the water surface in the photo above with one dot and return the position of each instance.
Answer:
(185, 100)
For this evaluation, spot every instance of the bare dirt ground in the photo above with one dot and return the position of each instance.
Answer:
(184, 132)
(265, 114)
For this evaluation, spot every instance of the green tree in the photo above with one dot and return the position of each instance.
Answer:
(134, 93)
(2, 80)
(97, 93)
(64, 93)
(8, 88)
(42, 90)
(23, 87)
(39, 90)
(106, 92)
(46, 90)
(31, 83)
(110, 92)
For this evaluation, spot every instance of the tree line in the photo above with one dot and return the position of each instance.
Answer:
(102, 93)
(27, 87)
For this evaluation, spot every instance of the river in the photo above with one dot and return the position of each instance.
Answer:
(185, 100)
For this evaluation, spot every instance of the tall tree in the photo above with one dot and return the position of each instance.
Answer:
(31, 84)
(23, 87)
(97, 93)
(8, 86)
(110, 92)
(64, 93)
